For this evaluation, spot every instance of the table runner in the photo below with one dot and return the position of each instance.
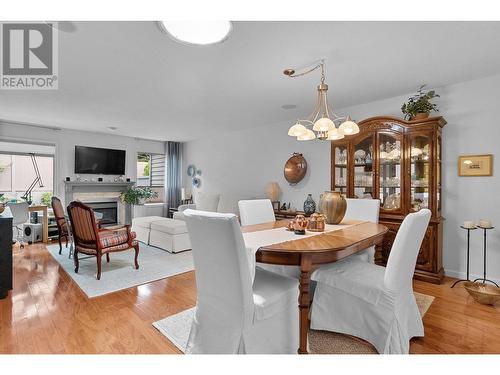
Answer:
(255, 240)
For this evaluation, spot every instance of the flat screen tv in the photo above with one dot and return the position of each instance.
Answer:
(99, 160)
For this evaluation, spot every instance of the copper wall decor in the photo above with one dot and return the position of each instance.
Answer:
(295, 168)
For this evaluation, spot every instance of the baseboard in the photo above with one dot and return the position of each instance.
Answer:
(472, 276)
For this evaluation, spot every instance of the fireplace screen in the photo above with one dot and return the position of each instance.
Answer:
(109, 210)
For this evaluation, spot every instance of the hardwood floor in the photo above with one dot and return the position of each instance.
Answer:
(47, 313)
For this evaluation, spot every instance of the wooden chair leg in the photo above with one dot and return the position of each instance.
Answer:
(136, 248)
(60, 245)
(75, 258)
(66, 241)
(98, 256)
(107, 257)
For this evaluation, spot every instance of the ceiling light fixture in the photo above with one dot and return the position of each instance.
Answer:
(322, 119)
(199, 33)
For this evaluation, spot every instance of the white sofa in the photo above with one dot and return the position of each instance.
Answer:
(167, 234)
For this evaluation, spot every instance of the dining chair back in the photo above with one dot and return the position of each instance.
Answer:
(20, 215)
(366, 210)
(404, 251)
(363, 209)
(256, 211)
(62, 223)
(223, 279)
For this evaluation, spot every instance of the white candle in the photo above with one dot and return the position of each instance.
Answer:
(485, 223)
(183, 194)
(469, 224)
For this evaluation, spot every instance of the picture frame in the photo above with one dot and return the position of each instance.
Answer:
(475, 165)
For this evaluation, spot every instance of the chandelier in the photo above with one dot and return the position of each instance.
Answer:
(322, 119)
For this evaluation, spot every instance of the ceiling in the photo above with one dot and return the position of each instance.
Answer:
(131, 76)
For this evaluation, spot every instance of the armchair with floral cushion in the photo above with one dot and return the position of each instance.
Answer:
(89, 239)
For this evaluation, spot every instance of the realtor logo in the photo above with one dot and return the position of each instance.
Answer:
(28, 56)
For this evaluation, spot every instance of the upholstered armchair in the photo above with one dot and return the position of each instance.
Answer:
(62, 223)
(91, 240)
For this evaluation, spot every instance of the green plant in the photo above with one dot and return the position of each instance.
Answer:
(146, 170)
(46, 198)
(420, 103)
(135, 195)
(3, 167)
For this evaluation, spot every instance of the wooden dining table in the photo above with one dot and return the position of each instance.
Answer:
(309, 252)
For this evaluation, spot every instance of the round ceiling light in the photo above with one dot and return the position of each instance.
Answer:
(197, 32)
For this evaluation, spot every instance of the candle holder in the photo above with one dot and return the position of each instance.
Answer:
(468, 251)
(484, 279)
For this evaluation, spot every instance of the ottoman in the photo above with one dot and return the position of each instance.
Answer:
(142, 226)
(169, 234)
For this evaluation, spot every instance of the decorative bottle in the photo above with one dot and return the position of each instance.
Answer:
(309, 205)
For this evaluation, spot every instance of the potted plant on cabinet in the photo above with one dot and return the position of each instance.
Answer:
(419, 106)
(137, 195)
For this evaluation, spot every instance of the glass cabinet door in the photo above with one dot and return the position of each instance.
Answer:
(390, 179)
(438, 176)
(340, 182)
(363, 168)
(420, 157)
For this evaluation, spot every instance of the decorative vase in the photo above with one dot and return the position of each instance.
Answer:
(273, 191)
(419, 116)
(309, 205)
(333, 205)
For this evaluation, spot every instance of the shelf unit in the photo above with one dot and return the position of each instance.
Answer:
(399, 152)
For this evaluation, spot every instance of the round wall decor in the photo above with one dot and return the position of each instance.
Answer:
(295, 168)
(191, 170)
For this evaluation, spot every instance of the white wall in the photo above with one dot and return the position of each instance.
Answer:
(65, 141)
(241, 163)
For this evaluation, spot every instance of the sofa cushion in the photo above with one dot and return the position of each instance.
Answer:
(207, 202)
(169, 226)
(145, 221)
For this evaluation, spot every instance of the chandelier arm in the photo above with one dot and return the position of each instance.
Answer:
(314, 114)
(318, 65)
(326, 104)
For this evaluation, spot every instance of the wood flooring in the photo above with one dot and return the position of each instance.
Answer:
(47, 313)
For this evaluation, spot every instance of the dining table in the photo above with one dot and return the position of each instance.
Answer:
(310, 251)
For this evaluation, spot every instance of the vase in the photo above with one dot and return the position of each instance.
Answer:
(333, 205)
(273, 191)
(419, 116)
(309, 205)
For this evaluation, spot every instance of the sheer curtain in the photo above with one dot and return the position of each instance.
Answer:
(173, 153)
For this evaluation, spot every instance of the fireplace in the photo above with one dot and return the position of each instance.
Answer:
(109, 210)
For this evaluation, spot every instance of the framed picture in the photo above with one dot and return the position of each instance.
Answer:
(475, 165)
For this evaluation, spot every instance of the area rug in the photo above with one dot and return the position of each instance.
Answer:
(176, 329)
(119, 273)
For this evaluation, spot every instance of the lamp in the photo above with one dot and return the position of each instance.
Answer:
(38, 180)
(322, 119)
(273, 191)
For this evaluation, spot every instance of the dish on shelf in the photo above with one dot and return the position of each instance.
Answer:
(392, 202)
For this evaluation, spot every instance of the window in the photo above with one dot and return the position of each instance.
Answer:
(17, 174)
(151, 173)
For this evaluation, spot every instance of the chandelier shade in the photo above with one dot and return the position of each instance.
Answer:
(335, 134)
(322, 119)
(296, 130)
(307, 136)
(349, 127)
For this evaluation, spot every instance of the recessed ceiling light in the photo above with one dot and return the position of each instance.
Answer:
(112, 128)
(289, 106)
(197, 32)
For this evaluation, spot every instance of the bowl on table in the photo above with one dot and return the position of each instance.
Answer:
(483, 293)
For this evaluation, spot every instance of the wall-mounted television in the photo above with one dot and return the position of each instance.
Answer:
(95, 160)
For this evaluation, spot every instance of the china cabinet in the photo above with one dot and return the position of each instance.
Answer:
(399, 163)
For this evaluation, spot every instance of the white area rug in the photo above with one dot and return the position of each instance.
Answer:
(176, 329)
(119, 273)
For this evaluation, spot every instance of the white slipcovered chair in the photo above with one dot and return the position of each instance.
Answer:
(367, 210)
(260, 211)
(203, 202)
(239, 309)
(374, 303)
(256, 211)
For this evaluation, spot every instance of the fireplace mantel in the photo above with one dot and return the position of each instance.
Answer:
(72, 187)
